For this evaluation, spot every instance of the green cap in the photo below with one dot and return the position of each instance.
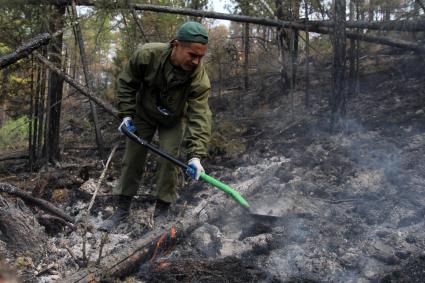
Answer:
(192, 32)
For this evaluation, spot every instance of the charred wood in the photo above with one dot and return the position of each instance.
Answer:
(55, 89)
(127, 259)
(51, 218)
(338, 97)
(43, 204)
(323, 27)
(25, 49)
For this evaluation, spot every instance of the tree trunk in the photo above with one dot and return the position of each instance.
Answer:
(337, 101)
(35, 116)
(41, 107)
(282, 47)
(294, 16)
(89, 81)
(139, 25)
(220, 76)
(370, 12)
(55, 88)
(294, 54)
(31, 121)
(3, 94)
(246, 58)
(351, 80)
(307, 59)
(357, 51)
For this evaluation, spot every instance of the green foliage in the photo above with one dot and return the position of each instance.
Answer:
(14, 134)
(4, 49)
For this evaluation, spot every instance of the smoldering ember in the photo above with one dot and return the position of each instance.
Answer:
(314, 168)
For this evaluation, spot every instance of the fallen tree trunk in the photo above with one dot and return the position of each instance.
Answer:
(322, 27)
(393, 25)
(14, 156)
(25, 49)
(83, 90)
(402, 25)
(43, 204)
(388, 41)
(128, 259)
(312, 26)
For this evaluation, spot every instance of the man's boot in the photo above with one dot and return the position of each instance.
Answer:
(120, 215)
(161, 208)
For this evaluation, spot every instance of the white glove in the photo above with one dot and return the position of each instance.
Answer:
(195, 168)
(127, 122)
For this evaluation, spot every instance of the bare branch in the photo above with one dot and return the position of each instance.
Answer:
(82, 89)
(45, 205)
(25, 49)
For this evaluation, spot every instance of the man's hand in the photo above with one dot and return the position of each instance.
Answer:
(195, 168)
(127, 122)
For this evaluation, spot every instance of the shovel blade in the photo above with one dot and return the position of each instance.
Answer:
(263, 216)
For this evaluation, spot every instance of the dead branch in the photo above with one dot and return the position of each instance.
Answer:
(58, 219)
(136, 20)
(25, 49)
(418, 25)
(405, 25)
(88, 78)
(393, 25)
(102, 176)
(43, 204)
(14, 156)
(387, 41)
(82, 89)
(28, 47)
(322, 27)
(103, 241)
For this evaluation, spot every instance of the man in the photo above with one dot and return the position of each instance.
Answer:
(164, 87)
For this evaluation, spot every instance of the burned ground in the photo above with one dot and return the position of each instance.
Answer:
(350, 202)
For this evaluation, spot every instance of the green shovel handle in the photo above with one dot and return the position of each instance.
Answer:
(225, 188)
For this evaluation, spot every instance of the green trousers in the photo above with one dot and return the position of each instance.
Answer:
(135, 157)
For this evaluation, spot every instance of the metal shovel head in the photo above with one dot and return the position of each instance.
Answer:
(261, 215)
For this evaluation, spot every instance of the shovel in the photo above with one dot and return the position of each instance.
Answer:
(206, 178)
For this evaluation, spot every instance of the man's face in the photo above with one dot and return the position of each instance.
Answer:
(187, 55)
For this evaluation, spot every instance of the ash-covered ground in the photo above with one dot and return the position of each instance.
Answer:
(350, 204)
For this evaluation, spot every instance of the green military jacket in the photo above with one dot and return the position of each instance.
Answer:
(149, 81)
